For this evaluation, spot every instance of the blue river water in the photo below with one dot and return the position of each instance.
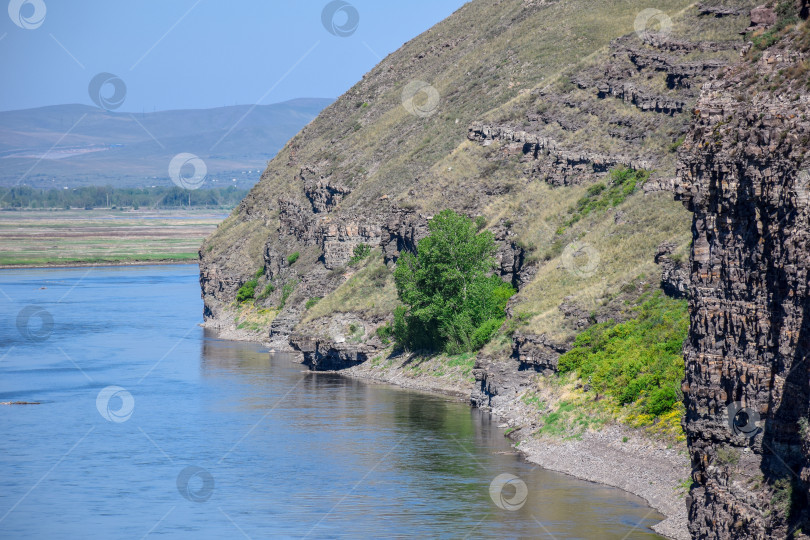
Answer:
(147, 426)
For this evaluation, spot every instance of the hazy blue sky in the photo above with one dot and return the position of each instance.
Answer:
(175, 54)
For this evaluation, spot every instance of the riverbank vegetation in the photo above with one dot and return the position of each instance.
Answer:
(629, 371)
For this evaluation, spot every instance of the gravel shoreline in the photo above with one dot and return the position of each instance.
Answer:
(602, 457)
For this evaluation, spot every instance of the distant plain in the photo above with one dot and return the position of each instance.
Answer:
(83, 237)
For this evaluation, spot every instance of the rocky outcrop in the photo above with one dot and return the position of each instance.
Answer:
(762, 17)
(323, 193)
(497, 382)
(627, 75)
(338, 237)
(744, 174)
(674, 274)
(217, 286)
(639, 97)
(719, 11)
(556, 138)
(296, 221)
(555, 164)
(322, 354)
(511, 259)
(401, 232)
(536, 352)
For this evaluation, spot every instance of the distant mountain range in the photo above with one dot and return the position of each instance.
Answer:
(78, 145)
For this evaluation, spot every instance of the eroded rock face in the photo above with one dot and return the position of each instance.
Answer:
(497, 383)
(744, 174)
(674, 274)
(557, 165)
(537, 352)
(338, 238)
(216, 286)
(326, 355)
(511, 259)
(630, 75)
(296, 221)
(323, 193)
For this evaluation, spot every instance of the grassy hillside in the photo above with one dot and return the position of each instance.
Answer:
(533, 113)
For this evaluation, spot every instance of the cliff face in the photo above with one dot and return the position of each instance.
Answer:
(744, 173)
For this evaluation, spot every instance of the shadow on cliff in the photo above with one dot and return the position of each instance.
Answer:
(786, 455)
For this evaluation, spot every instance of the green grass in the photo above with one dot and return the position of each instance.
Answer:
(292, 258)
(268, 290)
(38, 237)
(249, 316)
(286, 290)
(311, 302)
(569, 421)
(384, 333)
(787, 15)
(623, 182)
(727, 455)
(638, 361)
(783, 496)
(534, 400)
(465, 362)
(369, 291)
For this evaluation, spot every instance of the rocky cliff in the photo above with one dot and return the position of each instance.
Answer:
(501, 122)
(744, 174)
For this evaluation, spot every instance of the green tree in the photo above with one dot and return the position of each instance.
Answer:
(451, 300)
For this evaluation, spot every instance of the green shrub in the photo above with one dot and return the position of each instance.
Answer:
(292, 258)
(361, 251)
(637, 361)
(484, 333)
(727, 455)
(259, 273)
(268, 290)
(450, 303)
(247, 291)
(624, 181)
(786, 15)
(783, 496)
(286, 290)
(312, 301)
(385, 332)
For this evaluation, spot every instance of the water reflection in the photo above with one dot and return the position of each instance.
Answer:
(417, 462)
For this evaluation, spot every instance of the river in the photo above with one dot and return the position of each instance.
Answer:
(147, 425)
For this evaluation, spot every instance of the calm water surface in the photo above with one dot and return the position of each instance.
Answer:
(207, 438)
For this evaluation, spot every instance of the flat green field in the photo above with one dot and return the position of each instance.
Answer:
(77, 237)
